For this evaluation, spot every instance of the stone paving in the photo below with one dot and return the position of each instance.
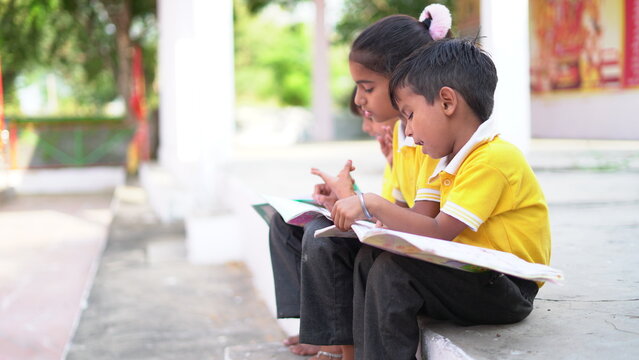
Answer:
(148, 302)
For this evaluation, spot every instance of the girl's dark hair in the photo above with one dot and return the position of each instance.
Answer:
(457, 63)
(383, 45)
(355, 110)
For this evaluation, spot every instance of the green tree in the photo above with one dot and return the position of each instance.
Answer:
(88, 42)
(102, 39)
(23, 43)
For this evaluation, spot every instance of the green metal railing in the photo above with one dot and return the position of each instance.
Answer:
(37, 142)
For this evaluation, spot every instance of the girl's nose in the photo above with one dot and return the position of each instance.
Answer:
(359, 98)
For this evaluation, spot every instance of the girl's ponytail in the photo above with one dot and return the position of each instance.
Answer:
(384, 44)
(437, 20)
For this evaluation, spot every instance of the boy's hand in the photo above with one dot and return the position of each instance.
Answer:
(386, 144)
(346, 211)
(323, 195)
(342, 184)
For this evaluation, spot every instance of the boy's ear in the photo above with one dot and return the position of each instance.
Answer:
(448, 100)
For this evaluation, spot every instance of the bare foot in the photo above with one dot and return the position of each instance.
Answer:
(291, 340)
(304, 349)
(293, 343)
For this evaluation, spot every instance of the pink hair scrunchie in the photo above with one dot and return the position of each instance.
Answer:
(441, 21)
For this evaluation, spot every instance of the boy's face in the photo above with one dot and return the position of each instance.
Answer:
(372, 94)
(426, 123)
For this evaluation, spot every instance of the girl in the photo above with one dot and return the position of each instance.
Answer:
(326, 274)
(286, 240)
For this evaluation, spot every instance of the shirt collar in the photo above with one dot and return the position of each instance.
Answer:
(404, 140)
(485, 132)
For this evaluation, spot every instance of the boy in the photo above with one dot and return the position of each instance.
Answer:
(489, 197)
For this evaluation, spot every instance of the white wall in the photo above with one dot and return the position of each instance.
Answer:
(196, 95)
(505, 27)
(598, 115)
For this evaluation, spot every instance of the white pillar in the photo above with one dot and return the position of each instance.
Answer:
(196, 96)
(323, 126)
(504, 25)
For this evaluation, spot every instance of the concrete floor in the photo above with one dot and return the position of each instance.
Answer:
(49, 250)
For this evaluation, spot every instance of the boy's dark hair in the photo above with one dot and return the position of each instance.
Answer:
(383, 45)
(456, 63)
(355, 109)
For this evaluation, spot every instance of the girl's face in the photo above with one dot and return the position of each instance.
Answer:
(372, 94)
(375, 129)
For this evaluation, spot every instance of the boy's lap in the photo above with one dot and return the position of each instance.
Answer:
(450, 294)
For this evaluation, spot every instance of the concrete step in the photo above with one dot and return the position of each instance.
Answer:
(432, 347)
(6, 194)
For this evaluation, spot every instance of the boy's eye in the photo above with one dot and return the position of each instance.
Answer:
(408, 116)
(368, 90)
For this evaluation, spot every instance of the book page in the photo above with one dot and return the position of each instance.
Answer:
(296, 212)
(460, 256)
(333, 231)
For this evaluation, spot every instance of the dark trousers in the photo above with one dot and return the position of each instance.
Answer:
(314, 280)
(392, 290)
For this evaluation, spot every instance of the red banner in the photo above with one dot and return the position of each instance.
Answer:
(631, 67)
(2, 125)
(138, 105)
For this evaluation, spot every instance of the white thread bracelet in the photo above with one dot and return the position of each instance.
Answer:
(328, 355)
(363, 204)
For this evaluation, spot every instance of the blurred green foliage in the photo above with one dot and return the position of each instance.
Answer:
(75, 39)
(272, 60)
(24, 39)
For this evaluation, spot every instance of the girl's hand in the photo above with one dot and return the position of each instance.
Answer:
(346, 211)
(386, 143)
(342, 184)
(323, 195)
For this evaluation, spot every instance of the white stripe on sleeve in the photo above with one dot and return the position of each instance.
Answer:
(463, 215)
(428, 195)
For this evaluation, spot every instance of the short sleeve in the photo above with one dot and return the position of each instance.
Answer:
(396, 193)
(475, 194)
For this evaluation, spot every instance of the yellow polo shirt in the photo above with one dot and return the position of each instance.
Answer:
(407, 159)
(490, 187)
(428, 190)
(388, 184)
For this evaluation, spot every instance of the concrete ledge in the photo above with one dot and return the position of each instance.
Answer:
(67, 180)
(434, 346)
(167, 199)
(554, 330)
(7, 194)
(213, 239)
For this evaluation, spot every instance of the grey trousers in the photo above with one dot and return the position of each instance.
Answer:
(314, 280)
(392, 290)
